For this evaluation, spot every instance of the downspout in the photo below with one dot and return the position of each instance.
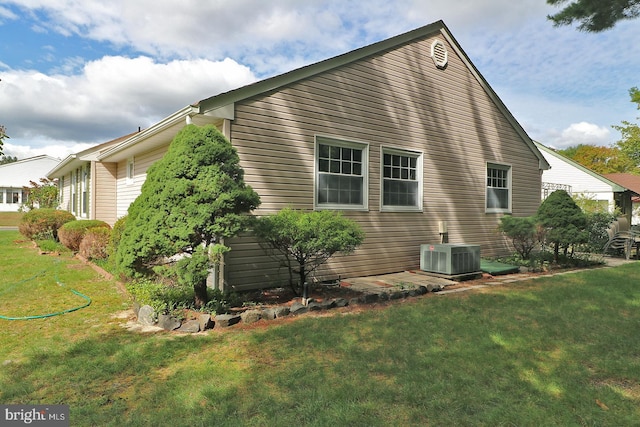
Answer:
(226, 131)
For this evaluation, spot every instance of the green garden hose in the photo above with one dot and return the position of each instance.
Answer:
(43, 316)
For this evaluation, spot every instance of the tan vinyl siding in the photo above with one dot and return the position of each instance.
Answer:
(104, 180)
(396, 99)
(65, 201)
(128, 191)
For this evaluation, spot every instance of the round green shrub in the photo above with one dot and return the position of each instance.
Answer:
(94, 243)
(44, 223)
(72, 233)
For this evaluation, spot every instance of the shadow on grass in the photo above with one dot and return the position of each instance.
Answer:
(556, 351)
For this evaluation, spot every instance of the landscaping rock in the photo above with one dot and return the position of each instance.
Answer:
(328, 304)
(370, 298)
(206, 322)
(396, 295)
(251, 316)
(354, 301)
(226, 320)
(434, 288)
(422, 290)
(298, 308)
(315, 306)
(268, 314)
(146, 315)
(168, 322)
(341, 302)
(281, 311)
(190, 326)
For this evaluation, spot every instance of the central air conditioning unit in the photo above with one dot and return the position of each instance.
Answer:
(450, 259)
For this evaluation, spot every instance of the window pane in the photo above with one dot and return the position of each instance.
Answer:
(400, 193)
(323, 165)
(335, 167)
(323, 151)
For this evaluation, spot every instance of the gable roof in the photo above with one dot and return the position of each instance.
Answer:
(616, 188)
(627, 180)
(73, 161)
(18, 174)
(221, 106)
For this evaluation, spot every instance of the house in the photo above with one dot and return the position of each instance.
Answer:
(580, 181)
(632, 184)
(86, 187)
(15, 176)
(402, 136)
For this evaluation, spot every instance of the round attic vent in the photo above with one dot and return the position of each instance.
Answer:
(439, 54)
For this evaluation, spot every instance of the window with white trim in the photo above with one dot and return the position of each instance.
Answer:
(498, 198)
(341, 177)
(130, 170)
(401, 180)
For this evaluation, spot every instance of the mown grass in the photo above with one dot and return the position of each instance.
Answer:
(10, 219)
(557, 351)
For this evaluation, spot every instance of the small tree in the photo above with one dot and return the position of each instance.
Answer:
(43, 195)
(302, 241)
(563, 220)
(192, 199)
(522, 231)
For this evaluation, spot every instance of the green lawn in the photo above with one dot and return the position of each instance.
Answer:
(558, 351)
(10, 219)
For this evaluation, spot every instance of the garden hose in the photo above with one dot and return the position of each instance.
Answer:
(43, 316)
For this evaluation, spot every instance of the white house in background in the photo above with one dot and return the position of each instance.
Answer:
(577, 180)
(17, 175)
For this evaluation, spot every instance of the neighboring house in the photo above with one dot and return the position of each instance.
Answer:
(578, 180)
(14, 177)
(86, 187)
(400, 136)
(632, 183)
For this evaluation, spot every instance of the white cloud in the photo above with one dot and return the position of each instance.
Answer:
(582, 133)
(109, 98)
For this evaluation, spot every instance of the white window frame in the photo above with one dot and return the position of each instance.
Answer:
(418, 155)
(131, 168)
(339, 142)
(508, 169)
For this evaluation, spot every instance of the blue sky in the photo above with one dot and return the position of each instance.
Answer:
(75, 74)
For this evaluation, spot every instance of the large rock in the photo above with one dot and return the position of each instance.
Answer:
(251, 316)
(298, 308)
(226, 320)
(190, 326)
(206, 322)
(281, 311)
(168, 322)
(147, 316)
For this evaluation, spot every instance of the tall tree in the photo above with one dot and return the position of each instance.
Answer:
(600, 159)
(630, 142)
(594, 15)
(193, 198)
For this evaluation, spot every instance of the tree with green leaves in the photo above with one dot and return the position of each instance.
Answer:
(43, 195)
(8, 159)
(600, 159)
(563, 221)
(193, 199)
(522, 231)
(302, 241)
(594, 15)
(630, 142)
